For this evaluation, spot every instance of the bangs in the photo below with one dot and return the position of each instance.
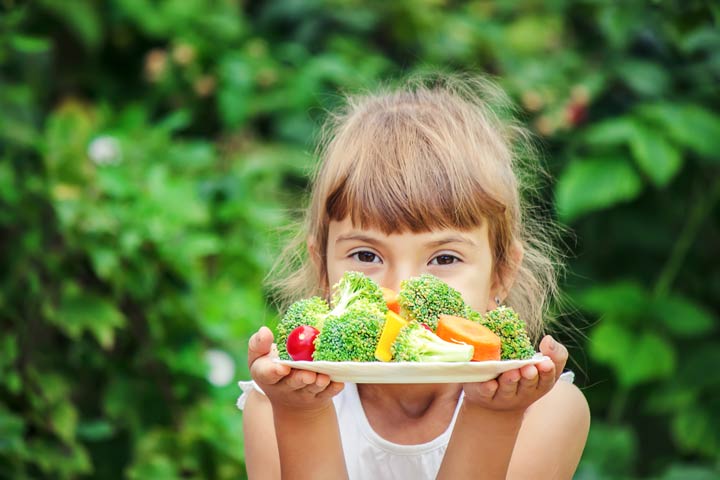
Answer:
(402, 174)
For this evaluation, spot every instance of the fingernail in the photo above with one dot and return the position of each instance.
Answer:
(553, 344)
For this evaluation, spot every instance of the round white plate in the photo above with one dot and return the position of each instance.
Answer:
(413, 372)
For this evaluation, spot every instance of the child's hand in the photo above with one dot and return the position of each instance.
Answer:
(515, 390)
(284, 386)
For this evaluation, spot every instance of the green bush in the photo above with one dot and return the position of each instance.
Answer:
(152, 152)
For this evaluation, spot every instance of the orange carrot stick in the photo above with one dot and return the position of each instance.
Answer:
(461, 330)
(391, 299)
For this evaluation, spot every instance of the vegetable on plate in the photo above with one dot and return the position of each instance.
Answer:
(485, 343)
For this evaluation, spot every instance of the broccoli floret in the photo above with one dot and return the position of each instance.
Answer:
(308, 311)
(350, 337)
(416, 343)
(426, 297)
(355, 295)
(356, 287)
(507, 325)
(471, 314)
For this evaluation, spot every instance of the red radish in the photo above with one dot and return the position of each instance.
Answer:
(301, 342)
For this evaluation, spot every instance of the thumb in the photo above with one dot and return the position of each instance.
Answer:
(556, 351)
(260, 344)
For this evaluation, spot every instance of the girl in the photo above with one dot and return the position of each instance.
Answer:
(420, 179)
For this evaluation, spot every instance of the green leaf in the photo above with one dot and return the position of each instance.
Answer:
(82, 19)
(694, 433)
(533, 34)
(59, 460)
(593, 184)
(683, 317)
(611, 132)
(670, 399)
(174, 121)
(105, 261)
(624, 298)
(646, 78)
(635, 358)
(611, 449)
(656, 157)
(156, 466)
(67, 134)
(8, 351)
(704, 38)
(95, 430)
(12, 428)
(9, 193)
(81, 311)
(691, 126)
(55, 388)
(9, 377)
(609, 341)
(690, 472)
(31, 45)
(63, 417)
(618, 23)
(697, 370)
(652, 357)
(236, 85)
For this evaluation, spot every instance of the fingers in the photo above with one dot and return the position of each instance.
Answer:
(260, 344)
(315, 384)
(529, 378)
(508, 385)
(262, 369)
(556, 351)
(299, 379)
(546, 375)
(331, 390)
(483, 391)
(266, 372)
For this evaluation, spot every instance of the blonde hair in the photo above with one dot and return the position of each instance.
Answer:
(430, 154)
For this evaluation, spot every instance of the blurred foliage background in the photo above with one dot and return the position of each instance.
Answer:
(151, 150)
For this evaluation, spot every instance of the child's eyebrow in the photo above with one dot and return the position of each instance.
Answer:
(453, 239)
(357, 237)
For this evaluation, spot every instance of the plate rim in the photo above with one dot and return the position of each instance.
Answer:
(459, 372)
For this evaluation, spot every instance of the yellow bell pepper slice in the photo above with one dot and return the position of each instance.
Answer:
(393, 324)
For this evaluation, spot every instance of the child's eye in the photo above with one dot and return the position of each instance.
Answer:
(444, 259)
(366, 257)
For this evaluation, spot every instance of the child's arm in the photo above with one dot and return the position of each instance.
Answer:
(299, 404)
(506, 439)
(552, 436)
(554, 429)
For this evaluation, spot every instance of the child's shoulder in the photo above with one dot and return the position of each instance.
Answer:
(565, 407)
(553, 434)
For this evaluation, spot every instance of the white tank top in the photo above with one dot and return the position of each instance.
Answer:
(370, 457)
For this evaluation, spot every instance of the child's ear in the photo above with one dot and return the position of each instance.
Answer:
(504, 277)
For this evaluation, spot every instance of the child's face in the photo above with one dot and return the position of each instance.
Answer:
(462, 258)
